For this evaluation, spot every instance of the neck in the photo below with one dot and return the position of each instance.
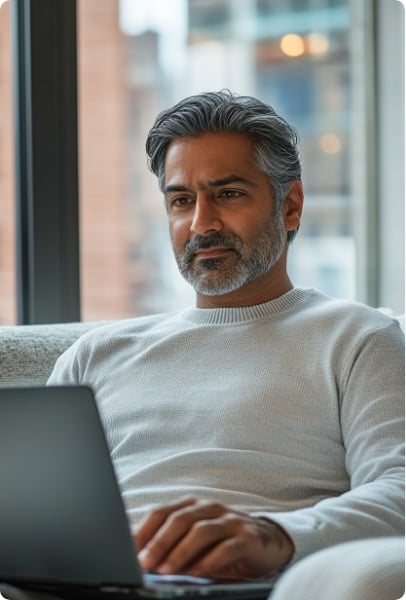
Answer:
(255, 292)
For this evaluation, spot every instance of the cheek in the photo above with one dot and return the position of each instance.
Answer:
(179, 231)
(250, 228)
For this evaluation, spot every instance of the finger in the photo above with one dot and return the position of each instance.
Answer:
(200, 538)
(224, 561)
(169, 535)
(151, 524)
(253, 550)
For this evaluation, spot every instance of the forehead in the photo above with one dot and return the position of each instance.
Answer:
(210, 153)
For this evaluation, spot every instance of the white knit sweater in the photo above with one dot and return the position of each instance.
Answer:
(291, 409)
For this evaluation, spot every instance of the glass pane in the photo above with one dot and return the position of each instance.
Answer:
(137, 58)
(7, 214)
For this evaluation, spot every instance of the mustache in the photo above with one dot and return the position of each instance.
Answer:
(230, 240)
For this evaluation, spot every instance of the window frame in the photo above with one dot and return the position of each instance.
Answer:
(378, 150)
(46, 160)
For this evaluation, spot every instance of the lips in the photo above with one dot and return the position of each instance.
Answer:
(210, 247)
(212, 252)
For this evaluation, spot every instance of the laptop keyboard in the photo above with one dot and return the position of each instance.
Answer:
(164, 592)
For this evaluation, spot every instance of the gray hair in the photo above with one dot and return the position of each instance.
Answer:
(275, 141)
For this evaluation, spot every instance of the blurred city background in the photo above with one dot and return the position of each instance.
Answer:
(137, 57)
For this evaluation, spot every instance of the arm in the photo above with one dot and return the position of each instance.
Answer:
(372, 425)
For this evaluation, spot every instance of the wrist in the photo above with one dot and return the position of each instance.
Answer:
(282, 542)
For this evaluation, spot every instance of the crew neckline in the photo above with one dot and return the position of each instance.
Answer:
(240, 314)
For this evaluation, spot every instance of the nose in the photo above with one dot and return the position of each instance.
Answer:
(205, 217)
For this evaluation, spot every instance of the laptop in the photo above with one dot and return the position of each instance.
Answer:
(63, 525)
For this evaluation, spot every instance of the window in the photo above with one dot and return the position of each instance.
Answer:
(332, 67)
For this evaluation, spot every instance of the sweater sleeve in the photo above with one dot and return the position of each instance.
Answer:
(372, 425)
(66, 370)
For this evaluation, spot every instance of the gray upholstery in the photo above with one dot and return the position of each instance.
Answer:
(28, 352)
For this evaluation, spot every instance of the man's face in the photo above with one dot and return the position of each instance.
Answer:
(224, 230)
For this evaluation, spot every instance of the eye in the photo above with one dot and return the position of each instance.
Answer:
(231, 193)
(180, 202)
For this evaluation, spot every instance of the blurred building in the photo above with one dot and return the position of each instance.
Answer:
(104, 162)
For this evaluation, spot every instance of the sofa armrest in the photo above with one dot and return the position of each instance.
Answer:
(28, 352)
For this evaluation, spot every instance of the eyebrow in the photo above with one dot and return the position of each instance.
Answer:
(212, 184)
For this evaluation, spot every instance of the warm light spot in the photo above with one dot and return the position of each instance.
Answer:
(292, 44)
(317, 43)
(2, 2)
(330, 143)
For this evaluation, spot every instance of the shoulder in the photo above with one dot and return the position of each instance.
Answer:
(347, 323)
(127, 328)
(338, 310)
(118, 335)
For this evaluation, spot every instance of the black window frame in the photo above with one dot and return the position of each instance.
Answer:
(46, 160)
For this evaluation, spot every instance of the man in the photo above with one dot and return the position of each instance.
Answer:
(263, 424)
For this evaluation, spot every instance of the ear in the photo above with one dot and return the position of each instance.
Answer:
(292, 206)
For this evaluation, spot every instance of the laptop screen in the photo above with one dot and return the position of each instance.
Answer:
(61, 514)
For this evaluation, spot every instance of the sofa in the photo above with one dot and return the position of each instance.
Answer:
(28, 352)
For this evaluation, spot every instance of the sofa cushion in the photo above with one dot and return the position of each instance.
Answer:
(28, 352)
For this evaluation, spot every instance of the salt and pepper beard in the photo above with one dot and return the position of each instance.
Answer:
(212, 276)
